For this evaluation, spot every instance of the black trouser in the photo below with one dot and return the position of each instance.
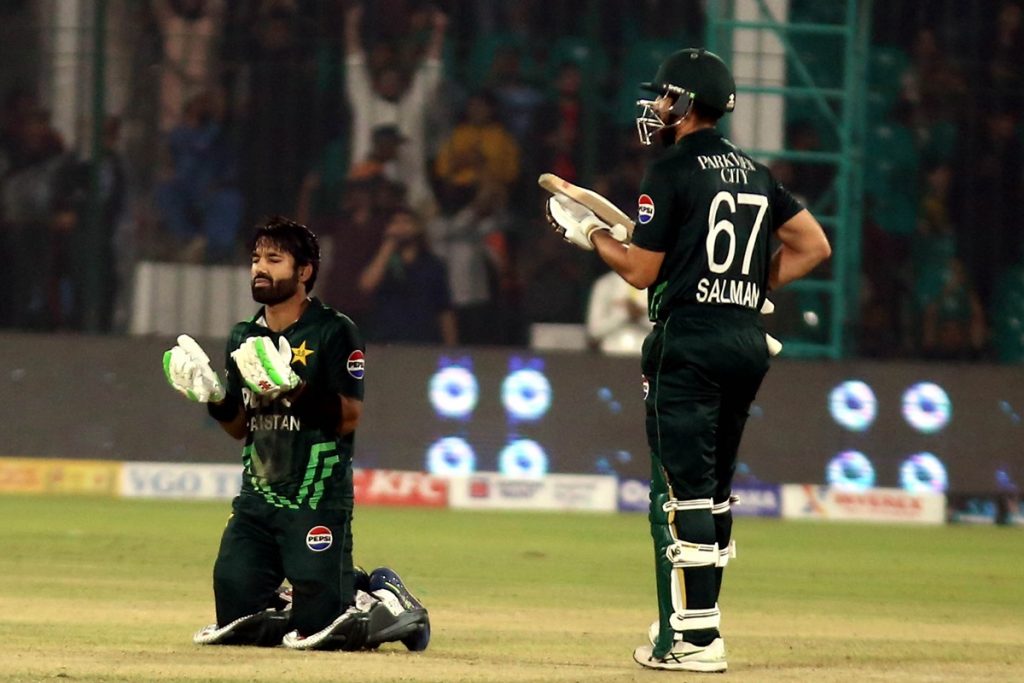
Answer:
(263, 544)
(703, 369)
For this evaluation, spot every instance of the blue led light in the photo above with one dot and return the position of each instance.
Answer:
(453, 392)
(926, 407)
(526, 394)
(451, 456)
(923, 473)
(853, 405)
(523, 458)
(850, 471)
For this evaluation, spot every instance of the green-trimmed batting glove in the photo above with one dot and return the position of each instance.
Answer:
(187, 368)
(265, 368)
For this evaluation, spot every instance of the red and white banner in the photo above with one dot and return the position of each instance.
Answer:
(406, 489)
(808, 501)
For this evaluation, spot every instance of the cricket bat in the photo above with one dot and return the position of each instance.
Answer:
(602, 208)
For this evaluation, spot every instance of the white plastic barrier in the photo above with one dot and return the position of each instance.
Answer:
(492, 491)
(180, 480)
(203, 301)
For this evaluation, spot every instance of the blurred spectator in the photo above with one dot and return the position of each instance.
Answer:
(199, 201)
(953, 324)
(409, 287)
(554, 278)
(354, 237)
(617, 316)
(620, 182)
(506, 27)
(480, 150)
(556, 141)
(472, 244)
(274, 89)
(1003, 53)
(190, 31)
(322, 189)
(77, 245)
(934, 92)
(388, 97)
(809, 180)
(28, 195)
(382, 161)
(991, 234)
(111, 201)
(517, 99)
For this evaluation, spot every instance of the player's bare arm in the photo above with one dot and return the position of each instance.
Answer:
(804, 246)
(353, 17)
(636, 265)
(351, 411)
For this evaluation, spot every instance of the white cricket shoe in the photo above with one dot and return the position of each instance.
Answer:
(685, 657)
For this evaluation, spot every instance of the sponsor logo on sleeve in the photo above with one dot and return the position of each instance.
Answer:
(356, 364)
(645, 209)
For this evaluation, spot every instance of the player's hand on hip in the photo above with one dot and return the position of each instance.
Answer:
(576, 223)
(187, 368)
(266, 368)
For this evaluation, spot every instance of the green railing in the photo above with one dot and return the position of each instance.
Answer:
(839, 107)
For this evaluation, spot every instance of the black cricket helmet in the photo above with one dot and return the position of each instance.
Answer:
(694, 74)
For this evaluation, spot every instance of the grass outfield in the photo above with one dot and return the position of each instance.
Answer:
(111, 590)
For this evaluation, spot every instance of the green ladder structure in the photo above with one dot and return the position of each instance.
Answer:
(826, 48)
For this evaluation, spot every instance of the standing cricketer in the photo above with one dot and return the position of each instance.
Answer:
(294, 394)
(701, 244)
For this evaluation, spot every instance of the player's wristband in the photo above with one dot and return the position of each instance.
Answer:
(225, 411)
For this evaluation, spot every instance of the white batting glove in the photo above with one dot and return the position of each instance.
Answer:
(187, 368)
(265, 368)
(576, 223)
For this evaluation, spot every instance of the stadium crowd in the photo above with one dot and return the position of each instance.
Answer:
(409, 135)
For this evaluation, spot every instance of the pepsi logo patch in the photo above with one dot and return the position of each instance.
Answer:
(356, 364)
(644, 209)
(319, 539)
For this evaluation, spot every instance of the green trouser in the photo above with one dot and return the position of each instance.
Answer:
(263, 544)
(703, 368)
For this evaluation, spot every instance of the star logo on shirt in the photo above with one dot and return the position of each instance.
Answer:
(301, 353)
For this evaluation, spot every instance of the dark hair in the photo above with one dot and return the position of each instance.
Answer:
(293, 238)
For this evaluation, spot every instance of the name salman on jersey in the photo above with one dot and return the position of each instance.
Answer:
(726, 291)
(732, 168)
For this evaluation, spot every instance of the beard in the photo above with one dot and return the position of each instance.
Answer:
(277, 291)
(667, 136)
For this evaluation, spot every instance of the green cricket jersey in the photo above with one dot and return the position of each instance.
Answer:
(711, 209)
(293, 456)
